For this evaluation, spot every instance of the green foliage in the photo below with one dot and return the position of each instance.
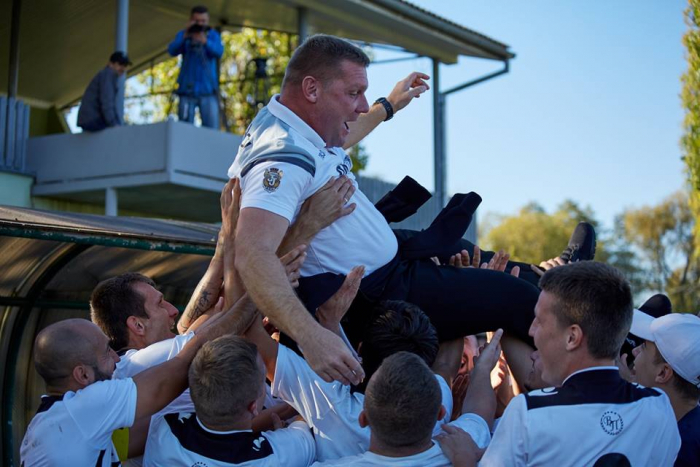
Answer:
(690, 95)
(663, 234)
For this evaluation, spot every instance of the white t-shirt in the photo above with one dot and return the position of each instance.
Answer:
(135, 361)
(332, 410)
(594, 414)
(77, 430)
(432, 457)
(182, 440)
(281, 188)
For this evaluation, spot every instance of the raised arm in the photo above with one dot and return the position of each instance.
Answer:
(405, 90)
(258, 237)
(480, 398)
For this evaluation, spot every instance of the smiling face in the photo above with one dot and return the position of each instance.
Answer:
(550, 340)
(161, 314)
(341, 100)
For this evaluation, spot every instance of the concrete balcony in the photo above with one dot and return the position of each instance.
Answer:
(168, 169)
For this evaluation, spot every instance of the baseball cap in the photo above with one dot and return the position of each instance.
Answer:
(657, 306)
(677, 336)
(120, 57)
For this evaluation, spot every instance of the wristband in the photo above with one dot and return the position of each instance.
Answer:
(387, 106)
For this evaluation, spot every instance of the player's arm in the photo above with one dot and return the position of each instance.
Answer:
(258, 237)
(405, 90)
(320, 210)
(480, 398)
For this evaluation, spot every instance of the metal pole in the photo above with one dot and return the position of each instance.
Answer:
(121, 43)
(111, 202)
(302, 24)
(438, 136)
(13, 75)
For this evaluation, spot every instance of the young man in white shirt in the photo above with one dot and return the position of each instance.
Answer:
(83, 405)
(669, 359)
(333, 409)
(590, 414)
(227, 384)
(401, 406)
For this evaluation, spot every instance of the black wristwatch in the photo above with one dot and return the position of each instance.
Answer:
(387, 106)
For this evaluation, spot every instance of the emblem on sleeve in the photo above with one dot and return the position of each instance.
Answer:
(271, 179)
(611, 423)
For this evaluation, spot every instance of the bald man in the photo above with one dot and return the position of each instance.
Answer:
(83, 405)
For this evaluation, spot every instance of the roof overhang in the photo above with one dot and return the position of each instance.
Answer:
(63, 44)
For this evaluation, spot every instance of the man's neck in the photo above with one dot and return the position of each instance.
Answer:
(292, 103)
(382, 449)
(135, 342)
(681, 406)
(234, 424)
(586, 363)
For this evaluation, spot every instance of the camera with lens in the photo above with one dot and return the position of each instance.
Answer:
(197, 28)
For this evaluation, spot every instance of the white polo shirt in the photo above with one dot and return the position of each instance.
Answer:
(135, 361)
(182, 440)
(281, 188)
(332, 410)
(77, 428)
(595, 416)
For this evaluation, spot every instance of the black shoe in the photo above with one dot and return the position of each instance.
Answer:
(581, 244)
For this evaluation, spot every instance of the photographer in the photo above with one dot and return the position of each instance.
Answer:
(200, 47)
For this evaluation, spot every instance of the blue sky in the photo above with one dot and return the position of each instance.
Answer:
(590, 110)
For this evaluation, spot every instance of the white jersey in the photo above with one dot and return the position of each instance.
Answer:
(76, 428)
(332, 409)
(135, 361)
(281, 188)
(595, 418)
(182, 440)
(432, 457)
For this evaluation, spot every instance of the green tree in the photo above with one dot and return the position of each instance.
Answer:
(690, 96)
(240, 92)
(663, 234)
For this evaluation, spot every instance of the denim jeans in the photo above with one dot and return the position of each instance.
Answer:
(208, 109)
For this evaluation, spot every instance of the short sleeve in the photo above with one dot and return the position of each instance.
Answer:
(299, 386)
(276, 187)
(103, 407)
(293, 446)
(509, 444)
(153, 355)
(475, 426)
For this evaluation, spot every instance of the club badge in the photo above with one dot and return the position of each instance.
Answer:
(272, 179)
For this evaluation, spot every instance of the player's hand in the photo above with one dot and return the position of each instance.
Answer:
(330, 313)
(459, 447)
(230, 207)
(292, 263)
(330, 358)
(498, 262)
(329, 204)
(547, 265)
(405, 90)
(488, 356)
(459, 391)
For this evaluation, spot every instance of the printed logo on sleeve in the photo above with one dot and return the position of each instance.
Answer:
(271, 179)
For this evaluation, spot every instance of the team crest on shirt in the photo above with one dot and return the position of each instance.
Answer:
(611, 422)
(271, 179)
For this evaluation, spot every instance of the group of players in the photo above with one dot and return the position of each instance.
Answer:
(319, 335)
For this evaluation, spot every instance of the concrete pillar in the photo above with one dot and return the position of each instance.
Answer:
(111, 202)
(121, 43)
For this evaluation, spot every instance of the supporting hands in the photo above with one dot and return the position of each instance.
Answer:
(230, 208)
(547, 265)
(332, 311)
(489, 355)
(292, 263)
(405, 90)
(331, 359)
(330, 203)
(459, 447)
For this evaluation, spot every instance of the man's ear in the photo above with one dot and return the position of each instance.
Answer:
(574, 337)
(136, 325)
(362, 419)
(664, 374)
(310, 87)
(441, 412)
(253, 408)
(82, 374)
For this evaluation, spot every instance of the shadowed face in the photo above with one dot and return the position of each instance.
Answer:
(161, 314)
(550, 340)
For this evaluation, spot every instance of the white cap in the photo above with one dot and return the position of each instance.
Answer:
(677, 336)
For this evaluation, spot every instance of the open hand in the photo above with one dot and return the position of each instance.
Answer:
(330, 313)
(330, 203)
(459, 447)
(405, 90)
(330, 358)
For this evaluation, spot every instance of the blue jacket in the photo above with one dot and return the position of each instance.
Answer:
(98, 107)
(198, 76)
